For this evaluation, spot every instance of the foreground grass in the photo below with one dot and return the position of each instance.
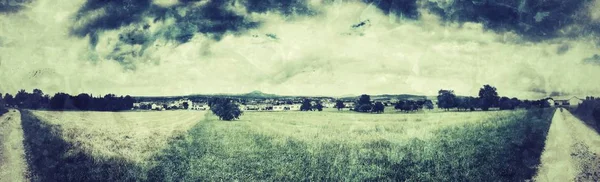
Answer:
(504, 147)
(98, 146)
(288, 146)
(134, 136)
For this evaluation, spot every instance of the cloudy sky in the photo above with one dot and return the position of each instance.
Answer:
(526, 48)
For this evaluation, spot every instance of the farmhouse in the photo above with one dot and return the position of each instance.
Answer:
(566, 101)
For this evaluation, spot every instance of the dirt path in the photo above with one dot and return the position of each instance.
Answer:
(13, 166)
(571, 151)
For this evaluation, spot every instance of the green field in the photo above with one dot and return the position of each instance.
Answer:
(288, 146)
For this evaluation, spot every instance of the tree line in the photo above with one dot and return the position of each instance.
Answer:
(63, 101)
(488, 98)
(590, 109)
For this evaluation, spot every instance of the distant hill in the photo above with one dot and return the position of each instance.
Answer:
(261, 95)
(389, 96)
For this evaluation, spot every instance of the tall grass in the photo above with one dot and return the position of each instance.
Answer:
(506, 148)
(51, 158)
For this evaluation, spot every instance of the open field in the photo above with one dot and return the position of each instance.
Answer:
(99, 145)
(286, 146)
(132, 135)
(493, 146)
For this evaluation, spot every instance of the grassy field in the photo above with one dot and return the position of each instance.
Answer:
(296, 146)
(135, 136)
(84, 146)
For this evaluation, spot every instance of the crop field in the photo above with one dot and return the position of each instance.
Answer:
(100, 141)
(134, 136)
(286, 146)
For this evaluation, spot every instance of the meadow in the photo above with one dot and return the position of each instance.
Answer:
(96, 146)
(289, 146)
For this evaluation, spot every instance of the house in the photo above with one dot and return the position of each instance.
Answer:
(199, 106)
(287, 107)
(566, 101)
(158, 107)
(250, 107)
(349, 104)
(329, 104)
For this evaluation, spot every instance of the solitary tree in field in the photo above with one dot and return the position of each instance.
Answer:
(363, 104)
(339, 105)
(446, 99)
(306, 106)
(226, 110)
(489, 97)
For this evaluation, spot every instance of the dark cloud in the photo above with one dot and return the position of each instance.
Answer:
(362, 23)
(594, 60)
(562, 49)
(403, 8)
(535, 19)
(216, 19)
(13, 6)
(287, 7)
(117, 13)
(212, 18)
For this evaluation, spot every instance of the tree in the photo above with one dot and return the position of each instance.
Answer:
(489, 97)
(504, 103)
(186, 105)
(398, 105)
(378, 107)
(364, 99)
(428, 104)
(2, 106)
(35, 99)
(515, 102)
(306, 106)
(83, 102)
(596, 115)
(363, 104)
(339, 105)
(319, 106)
(61, 101)
(21, 99)
(226, 110)
(127, 102)
(9, 100)
(446, 99)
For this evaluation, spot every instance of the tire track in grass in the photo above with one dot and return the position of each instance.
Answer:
(572, 151)
(12, 156)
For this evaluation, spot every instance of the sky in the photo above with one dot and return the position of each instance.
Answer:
(525, 48)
